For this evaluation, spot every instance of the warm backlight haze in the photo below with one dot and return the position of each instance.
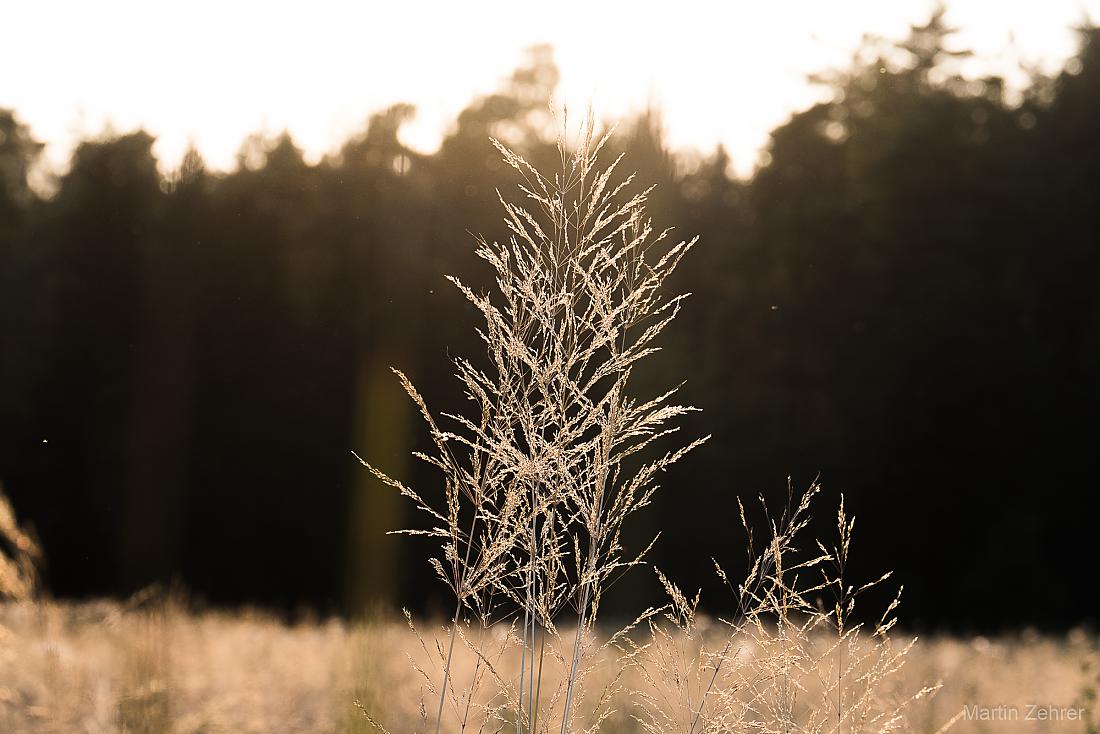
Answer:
(213, 72)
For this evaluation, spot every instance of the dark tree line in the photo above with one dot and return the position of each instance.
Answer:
(902, 299)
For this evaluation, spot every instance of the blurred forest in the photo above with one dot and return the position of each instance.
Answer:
(903, 298)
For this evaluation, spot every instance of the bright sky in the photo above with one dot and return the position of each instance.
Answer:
(213, 71)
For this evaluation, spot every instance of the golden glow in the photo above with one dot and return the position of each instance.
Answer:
(213, 72)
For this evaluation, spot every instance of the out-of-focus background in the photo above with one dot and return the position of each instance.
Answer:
(218, 231)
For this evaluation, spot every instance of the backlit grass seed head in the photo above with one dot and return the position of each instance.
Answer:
(540, 475)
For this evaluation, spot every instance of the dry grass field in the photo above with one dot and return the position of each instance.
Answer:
(538, 481)
(156, 667)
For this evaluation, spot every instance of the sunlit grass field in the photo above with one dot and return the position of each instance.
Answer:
(154, 666)
(538, 482)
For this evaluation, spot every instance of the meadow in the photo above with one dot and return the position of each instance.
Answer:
(559, 445)
(154, 666)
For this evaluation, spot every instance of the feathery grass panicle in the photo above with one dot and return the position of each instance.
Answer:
(542, 473)
(787, 662)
